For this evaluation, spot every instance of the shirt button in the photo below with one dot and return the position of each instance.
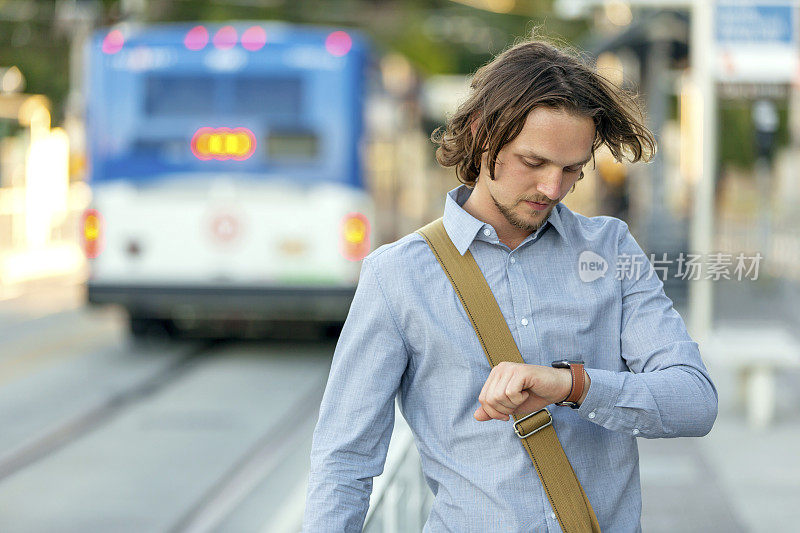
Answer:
(592, 414)
(553, 516)
(635, 431)
(513, 260)
(487, 232)
(524, 321)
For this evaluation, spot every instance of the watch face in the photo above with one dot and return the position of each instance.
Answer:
(564, 363)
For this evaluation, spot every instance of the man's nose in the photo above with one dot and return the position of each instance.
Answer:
(550, 186)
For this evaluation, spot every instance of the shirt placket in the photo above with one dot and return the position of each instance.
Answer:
(522, 290)
(524, 329)
(520, 314)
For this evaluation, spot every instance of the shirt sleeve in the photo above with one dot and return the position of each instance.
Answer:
(356, 416)
(668, 391)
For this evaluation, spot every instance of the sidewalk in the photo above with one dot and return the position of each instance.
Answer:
(736, 478)
(57, 260)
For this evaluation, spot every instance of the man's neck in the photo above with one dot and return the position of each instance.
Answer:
(481, 206)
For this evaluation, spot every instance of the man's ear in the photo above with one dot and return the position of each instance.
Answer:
(474, 126)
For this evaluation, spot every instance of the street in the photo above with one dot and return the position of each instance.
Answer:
(104, 434)
(100, 434)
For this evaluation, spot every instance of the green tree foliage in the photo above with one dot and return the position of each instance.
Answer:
(737, 132)
(29, 40)
(438, 36)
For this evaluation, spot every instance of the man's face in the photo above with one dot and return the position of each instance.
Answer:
(540, 165)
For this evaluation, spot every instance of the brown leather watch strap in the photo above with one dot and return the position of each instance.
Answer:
(578, 382)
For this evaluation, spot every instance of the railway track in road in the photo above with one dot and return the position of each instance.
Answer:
(30, 346)
(206, 436)
(255, 466)
(72, 428)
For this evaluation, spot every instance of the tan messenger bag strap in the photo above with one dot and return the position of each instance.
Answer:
(572, 507)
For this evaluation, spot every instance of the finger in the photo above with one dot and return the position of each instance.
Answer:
(482, 397)
(489, 385)
(498, 397)
(494, 413)
(481, 415)
(524, 397)
(515, 390)
(501, 408)
(532, 405)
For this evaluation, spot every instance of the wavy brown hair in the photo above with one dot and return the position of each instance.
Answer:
(530, 74)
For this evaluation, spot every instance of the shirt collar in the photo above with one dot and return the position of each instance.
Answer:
(462, 227)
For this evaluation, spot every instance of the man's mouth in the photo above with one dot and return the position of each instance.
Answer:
(537, 205)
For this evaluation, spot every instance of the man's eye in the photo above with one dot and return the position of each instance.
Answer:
(537, 165)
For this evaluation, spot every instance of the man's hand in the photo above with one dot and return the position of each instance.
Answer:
(520, 389)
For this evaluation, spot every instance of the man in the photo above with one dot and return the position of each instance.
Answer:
(534, 118)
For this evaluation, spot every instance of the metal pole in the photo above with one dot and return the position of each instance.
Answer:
(702, 225)
(659, 225)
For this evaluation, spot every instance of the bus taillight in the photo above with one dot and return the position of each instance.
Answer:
(92, 233)
(223, 143)
(354, 236)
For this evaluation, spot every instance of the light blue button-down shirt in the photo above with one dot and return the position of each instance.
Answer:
(407, 336)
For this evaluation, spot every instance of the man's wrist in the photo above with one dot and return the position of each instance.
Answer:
(574, 382)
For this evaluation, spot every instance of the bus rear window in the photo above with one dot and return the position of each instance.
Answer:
(292, 146)
(178, 95)
(271, 97)
(278, 98)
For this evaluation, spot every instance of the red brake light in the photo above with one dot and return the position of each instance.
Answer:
(223, 143)
(354, 244)
(93, 237)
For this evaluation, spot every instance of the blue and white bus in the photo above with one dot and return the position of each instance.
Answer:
(226, 172)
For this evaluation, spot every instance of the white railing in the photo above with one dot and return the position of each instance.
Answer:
(401, 499)
(778, 242)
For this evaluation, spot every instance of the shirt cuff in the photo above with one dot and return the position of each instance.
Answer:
(598, 405)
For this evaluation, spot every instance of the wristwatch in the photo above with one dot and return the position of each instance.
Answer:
(578, 381)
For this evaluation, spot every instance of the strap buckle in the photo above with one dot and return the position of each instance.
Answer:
(548, 423)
